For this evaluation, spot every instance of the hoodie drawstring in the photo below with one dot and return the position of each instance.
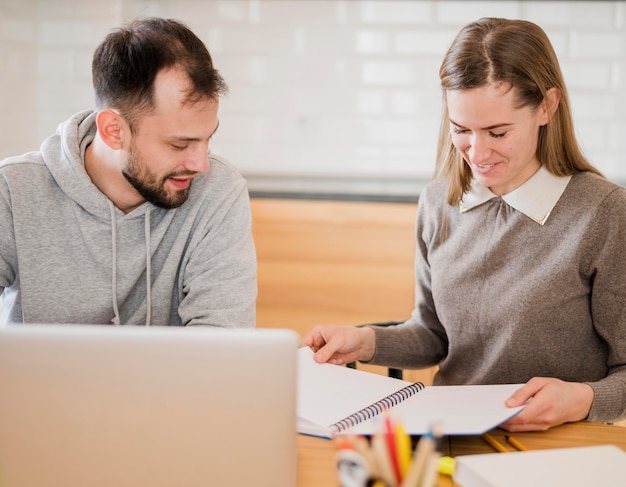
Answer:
(116, 311)
(148, 268)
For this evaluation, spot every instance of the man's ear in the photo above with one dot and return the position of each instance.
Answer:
(112, 128)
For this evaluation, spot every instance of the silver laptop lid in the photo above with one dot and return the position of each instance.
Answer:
(85, 405)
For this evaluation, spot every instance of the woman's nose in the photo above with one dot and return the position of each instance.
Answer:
(479, 150)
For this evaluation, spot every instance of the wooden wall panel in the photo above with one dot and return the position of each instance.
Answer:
(334, 262)
(338, 262)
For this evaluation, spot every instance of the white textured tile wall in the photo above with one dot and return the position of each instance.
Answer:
(325, 95)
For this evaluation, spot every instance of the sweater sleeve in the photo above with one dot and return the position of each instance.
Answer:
(608, 298)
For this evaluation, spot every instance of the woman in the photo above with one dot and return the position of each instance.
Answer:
(521, 244)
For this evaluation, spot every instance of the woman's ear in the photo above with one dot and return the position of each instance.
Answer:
(111, 128)
(549, 105)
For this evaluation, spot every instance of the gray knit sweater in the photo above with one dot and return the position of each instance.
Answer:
(503, 299)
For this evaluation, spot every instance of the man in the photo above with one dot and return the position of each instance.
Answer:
(122, 216)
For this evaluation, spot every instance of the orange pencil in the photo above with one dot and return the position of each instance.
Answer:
(516, 444)
(495, 443)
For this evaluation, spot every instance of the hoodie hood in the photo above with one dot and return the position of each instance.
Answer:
(63, 154)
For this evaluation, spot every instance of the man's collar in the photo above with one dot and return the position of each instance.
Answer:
(535, 198)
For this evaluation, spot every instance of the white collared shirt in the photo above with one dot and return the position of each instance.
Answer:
(535, 198)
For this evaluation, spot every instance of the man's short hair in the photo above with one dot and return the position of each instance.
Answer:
(127, 62)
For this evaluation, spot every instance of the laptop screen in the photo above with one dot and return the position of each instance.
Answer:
(88, 405)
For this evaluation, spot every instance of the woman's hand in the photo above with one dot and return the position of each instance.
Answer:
(549, 402)
(340, 344)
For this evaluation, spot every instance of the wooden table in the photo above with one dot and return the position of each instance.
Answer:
(316, 456)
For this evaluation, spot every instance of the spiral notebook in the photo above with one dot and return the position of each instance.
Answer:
(335, 400)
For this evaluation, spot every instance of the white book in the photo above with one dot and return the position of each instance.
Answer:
(335, 400)
(602, 466)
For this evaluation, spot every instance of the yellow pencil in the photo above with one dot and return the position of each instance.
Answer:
(515, 443)
(403, 447)
(495, 443)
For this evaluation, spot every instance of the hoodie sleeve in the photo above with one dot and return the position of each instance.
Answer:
(219, 281)
(8, 254)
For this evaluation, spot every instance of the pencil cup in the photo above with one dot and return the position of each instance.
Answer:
(386, 460)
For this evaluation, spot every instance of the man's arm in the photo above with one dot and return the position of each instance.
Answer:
(220, 278)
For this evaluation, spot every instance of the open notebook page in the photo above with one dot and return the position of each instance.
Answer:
(329, 393)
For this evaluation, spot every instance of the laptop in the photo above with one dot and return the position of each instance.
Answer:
(90, 405)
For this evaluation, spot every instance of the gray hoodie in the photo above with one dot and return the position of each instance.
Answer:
(68, 255)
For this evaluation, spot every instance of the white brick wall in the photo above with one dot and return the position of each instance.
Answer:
(326, 95)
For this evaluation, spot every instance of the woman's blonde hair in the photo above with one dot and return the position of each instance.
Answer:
(517, 53)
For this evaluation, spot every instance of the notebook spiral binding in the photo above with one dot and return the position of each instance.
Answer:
(377, 407)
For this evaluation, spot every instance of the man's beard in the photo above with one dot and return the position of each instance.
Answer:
(147, 185)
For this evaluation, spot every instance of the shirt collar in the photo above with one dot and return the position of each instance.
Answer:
(535, 198)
